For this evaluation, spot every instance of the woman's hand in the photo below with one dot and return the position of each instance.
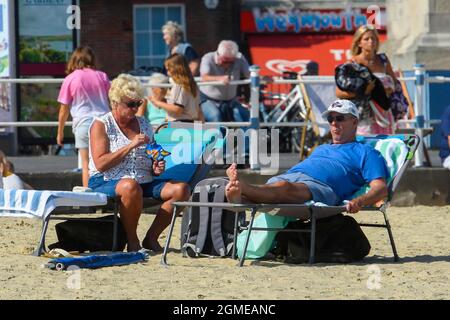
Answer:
(154, 100)
(139, 140)
(369, 87)
(60, 137)
(388, 91)
(159, 167)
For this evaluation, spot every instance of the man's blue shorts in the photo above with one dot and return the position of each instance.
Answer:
(320, 191)
(150, 190)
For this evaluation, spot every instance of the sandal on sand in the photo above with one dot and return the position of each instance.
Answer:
(60, 253)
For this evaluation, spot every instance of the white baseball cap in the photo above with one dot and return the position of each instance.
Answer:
(342, 106)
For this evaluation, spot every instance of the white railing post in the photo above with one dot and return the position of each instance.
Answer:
(254, 117)
(419, 72)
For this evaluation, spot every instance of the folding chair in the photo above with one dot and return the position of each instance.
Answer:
(194, 148)
(398, 150)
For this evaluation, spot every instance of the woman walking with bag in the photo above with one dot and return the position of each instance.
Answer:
(376, 118)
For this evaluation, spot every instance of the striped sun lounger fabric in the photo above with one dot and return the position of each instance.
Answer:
(39, 204)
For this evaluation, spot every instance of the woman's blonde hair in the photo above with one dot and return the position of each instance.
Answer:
(3, 159)
(179, 70)
(355, 49)
(82, 57)
(174, 30)
(3, 164)
(125, 85)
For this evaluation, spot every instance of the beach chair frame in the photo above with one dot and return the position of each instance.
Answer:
(113, 204)
(309, 211)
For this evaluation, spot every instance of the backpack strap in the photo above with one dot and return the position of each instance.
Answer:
(216, 222)
(203, 221)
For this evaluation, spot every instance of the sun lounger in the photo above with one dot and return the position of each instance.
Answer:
(42, 204)
(398, 150)
(194, 148)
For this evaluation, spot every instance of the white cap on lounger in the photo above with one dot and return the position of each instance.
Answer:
(342, 106)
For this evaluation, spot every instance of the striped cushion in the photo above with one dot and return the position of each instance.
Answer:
(394, 151)
(39, 204)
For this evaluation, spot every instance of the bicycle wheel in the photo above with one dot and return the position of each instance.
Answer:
(311, 141)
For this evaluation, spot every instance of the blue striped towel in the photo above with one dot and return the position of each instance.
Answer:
(39, 204)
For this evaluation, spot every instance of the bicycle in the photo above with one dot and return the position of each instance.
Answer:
(290, 107)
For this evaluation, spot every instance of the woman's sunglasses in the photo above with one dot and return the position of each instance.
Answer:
(338, 118)
(133, 104)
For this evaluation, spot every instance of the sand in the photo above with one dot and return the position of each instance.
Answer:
(423, 241)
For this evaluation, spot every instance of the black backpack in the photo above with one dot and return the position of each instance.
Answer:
(209, 231)
(339, 239)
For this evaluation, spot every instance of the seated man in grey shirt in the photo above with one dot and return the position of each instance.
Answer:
(219, 103)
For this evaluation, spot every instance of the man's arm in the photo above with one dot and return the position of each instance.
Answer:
(378, 191)
(224, 78)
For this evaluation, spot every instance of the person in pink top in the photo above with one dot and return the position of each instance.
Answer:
(83, 94)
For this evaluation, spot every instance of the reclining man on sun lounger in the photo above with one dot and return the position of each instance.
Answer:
(331, 174)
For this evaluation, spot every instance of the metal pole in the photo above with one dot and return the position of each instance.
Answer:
(419, 72)
(254, 117)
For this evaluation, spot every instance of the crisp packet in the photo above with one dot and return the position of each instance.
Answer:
(156, 151)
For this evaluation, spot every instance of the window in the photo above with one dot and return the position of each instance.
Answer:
(149, 47)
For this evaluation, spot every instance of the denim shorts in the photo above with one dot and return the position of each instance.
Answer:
(81, 133)
(320, 191)
(150, 190)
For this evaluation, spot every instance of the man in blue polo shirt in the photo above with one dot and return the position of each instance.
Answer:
(331, 174)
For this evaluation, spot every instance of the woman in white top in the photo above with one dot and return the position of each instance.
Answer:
(364, 49)
(183, 101)
(119, 166)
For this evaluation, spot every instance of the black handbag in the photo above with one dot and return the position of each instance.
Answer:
(89, 235)
(354, 77)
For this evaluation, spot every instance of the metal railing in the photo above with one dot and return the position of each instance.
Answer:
(420, 80)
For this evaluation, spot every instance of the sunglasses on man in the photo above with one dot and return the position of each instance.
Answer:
(133, 104)
(338, 118)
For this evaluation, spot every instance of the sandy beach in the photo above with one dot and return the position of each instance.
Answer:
(422, 235)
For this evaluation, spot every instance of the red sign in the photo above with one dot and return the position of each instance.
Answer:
(269, 20)
(291, 52)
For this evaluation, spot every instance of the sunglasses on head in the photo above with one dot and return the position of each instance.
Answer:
(133, 104)
(338, 118)
(369, 27)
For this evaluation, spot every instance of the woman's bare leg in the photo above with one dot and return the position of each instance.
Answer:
(171, 192)
(130, 194)
(84, 155)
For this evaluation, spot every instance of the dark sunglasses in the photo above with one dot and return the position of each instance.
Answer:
(133, 104)
(338, 118)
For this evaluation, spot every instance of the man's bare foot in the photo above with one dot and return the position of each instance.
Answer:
(232, 172)
(233, 190)
(153, 245)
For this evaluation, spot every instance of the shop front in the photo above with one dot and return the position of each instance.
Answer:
(282, 40)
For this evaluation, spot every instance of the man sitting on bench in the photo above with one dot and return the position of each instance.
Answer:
(331, 174)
